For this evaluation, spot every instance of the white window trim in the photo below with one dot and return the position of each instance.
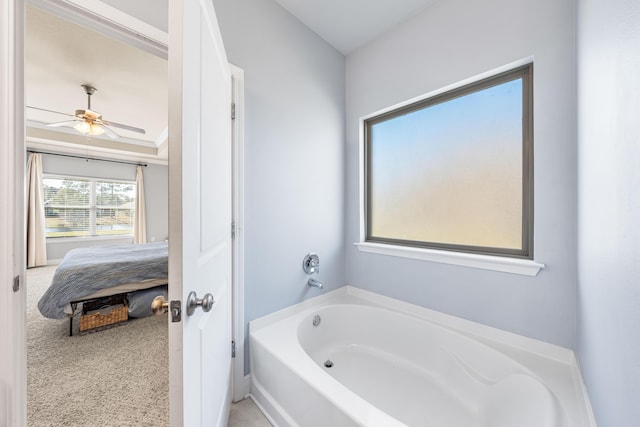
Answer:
(486, 262)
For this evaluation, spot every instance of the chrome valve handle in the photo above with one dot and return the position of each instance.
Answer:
(311, 263)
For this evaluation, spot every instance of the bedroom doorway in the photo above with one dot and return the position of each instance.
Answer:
(114, 374)
(119, 372)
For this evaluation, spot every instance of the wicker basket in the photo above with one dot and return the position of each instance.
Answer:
(103, 312)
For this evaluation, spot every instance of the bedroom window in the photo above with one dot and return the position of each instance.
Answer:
(454, 171)
(86, 207)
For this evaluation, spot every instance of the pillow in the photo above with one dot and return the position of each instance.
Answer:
(140, 301)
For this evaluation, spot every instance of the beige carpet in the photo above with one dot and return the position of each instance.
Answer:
(113, 377)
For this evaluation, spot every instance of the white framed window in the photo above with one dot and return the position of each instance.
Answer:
(453, 173)
(88, 207)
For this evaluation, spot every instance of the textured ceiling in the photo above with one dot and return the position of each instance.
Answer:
(349, 24)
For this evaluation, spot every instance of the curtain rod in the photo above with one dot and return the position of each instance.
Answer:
(88, 158)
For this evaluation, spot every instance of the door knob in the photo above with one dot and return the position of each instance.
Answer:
(194, 302)
(159, 306)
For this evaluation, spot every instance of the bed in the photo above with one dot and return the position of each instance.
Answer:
(100, 271)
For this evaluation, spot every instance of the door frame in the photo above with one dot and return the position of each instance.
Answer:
(240, 383)
(13, 369)
(120, 26)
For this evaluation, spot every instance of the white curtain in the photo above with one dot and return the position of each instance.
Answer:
(36, 225)
(140, 225)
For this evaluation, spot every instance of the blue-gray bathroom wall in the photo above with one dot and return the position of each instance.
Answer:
(294, 152)
(609, 207)
(449, 42)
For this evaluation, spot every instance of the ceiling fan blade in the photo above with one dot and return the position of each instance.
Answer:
(121, 126)
(50, 111)
(70, 123)
(109, 132)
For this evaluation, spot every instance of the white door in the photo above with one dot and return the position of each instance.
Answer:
(199, 215)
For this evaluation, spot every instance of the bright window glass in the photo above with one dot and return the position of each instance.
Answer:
(453, 172)
(78, 207)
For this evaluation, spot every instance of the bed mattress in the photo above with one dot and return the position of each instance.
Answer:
(104, 270)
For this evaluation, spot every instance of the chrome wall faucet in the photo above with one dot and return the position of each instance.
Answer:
(315, 283)
(311, 263)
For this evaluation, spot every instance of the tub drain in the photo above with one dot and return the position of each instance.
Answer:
(328, 364)
(316, 320)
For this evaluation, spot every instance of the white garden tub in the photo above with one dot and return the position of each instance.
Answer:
(353, 358)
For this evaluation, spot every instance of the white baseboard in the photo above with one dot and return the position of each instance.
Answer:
(245, 386)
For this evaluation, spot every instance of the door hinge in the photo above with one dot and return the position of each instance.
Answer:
(233, 230)
(16, 283)
(233, 349)
(233, 111)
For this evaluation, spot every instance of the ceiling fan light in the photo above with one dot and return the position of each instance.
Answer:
(82, 127)
(89, 128)
(96, 130)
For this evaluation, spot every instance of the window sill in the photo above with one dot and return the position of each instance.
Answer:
(89, 238)
(485, 262)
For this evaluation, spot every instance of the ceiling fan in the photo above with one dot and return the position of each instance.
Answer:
(90, 122)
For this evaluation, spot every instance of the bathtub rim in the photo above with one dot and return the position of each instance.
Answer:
(483, 333)
(460, 325)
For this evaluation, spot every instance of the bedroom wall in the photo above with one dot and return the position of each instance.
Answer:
(451, 41)
(609, 207)
(294, 152)
(156, 198)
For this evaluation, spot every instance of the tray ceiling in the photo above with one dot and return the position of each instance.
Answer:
(131, 84)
